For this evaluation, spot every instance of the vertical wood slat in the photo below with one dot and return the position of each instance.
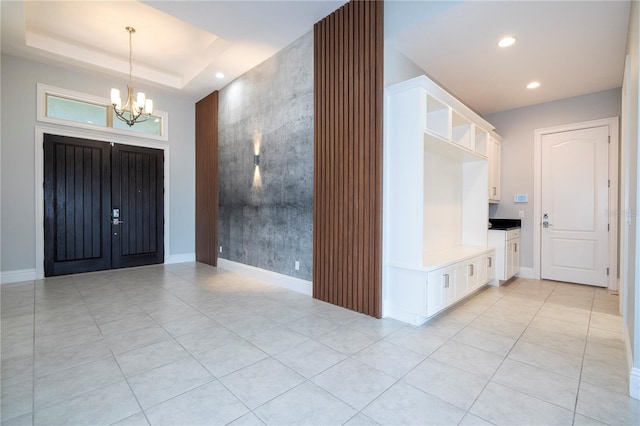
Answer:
(131, 203)
(127, 221)
(78, 194)
(377, 167)
(96, 201)
(341, 148)
(153, 217)
(87, 206)
(347, 219)
(139, 205)
(60, 218)
(146, 207)
(207, 189)
(360, 144)
(69, 207)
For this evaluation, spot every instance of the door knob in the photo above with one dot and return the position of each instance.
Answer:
(546, 224)
(117, 221)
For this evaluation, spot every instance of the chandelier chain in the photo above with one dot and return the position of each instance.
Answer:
(131, 30)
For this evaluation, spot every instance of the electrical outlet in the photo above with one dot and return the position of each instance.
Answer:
(297, 265)
(220, 249)
(521, 213)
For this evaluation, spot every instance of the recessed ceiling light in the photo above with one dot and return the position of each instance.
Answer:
(506, 41)
(219, 75)
(533, 85)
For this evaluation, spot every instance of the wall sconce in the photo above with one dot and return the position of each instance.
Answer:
(256, 160)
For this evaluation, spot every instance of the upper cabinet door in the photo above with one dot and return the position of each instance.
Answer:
(494, 170)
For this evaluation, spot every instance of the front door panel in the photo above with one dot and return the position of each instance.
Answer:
(137, 195)
(77, 197)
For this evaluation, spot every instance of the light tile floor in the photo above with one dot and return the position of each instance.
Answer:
(188, 344)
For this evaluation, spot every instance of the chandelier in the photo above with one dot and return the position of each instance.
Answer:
(133, 111)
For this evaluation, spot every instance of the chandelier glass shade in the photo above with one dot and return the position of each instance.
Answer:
(135, 110)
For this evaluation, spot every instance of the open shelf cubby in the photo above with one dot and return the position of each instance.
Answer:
(461, 129)
(438, 117)
(481, 145)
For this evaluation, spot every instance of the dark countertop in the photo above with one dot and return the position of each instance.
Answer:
(505, 224)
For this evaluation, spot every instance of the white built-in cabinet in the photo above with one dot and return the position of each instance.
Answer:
(507, 245)
(494, 167)
(435, 210)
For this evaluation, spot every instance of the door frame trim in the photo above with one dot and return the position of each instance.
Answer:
(40, 130)
(613, 124)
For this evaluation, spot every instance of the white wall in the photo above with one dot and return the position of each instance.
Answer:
(629, 199)
(398, 67)
(517, 127)
(19, 78)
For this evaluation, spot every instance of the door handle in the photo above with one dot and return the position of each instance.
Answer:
(445, 280)
(546, 224)
(115, 214)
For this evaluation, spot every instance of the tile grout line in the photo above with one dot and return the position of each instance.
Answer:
(306, 380)
(349, 356)
(400, 379)
(243, 339)
(116, 360)
(584, 352)
(142, 409)
(215, 378)
(584, 349)
(192, 356)
(509, 352)
(468, 410)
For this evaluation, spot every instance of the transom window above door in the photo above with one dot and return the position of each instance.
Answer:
(62, 106)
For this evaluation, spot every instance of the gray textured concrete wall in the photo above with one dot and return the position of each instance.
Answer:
(266, 212)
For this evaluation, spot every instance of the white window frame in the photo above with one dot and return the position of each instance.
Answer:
(44, 90)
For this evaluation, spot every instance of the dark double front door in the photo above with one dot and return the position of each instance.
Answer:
(103, 205)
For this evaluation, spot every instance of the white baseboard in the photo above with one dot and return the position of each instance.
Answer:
(526, 273)
(634, 383)
(7, 277)
(180, 258)
(281, 280)
(627, 344)
(634, 373)
(400, 315)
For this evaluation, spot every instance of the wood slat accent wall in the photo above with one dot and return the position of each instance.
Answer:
(207, 179)
(347, 216)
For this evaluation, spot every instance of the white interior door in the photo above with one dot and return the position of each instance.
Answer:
(575, 199)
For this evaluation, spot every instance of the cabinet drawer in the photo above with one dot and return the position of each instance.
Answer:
(491, 271)
(441, 289)
(512, 233)
(483, 268)
(467, 277)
